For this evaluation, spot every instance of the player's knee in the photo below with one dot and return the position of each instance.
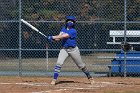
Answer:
(84, 68)
(81, 66)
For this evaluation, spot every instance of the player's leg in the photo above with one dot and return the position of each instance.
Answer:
(61, 58)
(75, 55)
(85, 70)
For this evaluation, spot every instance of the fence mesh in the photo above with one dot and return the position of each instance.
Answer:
(26, 52)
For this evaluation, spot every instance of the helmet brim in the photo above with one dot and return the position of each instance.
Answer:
(70, 20)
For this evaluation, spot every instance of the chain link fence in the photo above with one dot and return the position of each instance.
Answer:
(25, 52)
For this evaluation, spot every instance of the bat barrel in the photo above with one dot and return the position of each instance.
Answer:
(32, 27)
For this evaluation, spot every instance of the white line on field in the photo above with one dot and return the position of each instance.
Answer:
(107, 82)
(75, 88)
(97, 84)
(29, 84)
(50, 91)
(47, 84)
(65, 88)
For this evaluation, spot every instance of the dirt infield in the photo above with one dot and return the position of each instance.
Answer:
(69, 85)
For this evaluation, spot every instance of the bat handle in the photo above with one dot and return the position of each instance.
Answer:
(45, 36)
(42, 34)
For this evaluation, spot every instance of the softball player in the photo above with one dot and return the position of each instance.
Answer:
(68, 35)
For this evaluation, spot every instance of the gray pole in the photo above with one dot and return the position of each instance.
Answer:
(20, 61)
(125, 30)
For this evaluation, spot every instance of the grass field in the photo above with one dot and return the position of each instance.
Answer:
(39, 64)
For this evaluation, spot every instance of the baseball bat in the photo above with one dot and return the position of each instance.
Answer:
(32, 27)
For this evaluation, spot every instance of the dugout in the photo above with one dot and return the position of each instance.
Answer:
(132, 63)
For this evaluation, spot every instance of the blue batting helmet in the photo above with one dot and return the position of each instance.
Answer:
(71, 18)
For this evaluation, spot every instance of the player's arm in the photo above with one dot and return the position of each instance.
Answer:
(57, 35)
(60, 36)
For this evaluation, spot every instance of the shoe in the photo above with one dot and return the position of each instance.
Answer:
(91, 81)
(53, 82)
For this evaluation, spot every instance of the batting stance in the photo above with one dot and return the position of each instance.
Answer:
(68, 35)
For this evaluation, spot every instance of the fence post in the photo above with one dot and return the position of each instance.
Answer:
(47, 56)
(20, 59)
(125, 30)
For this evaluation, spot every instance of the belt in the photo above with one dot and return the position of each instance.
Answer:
(70, 47)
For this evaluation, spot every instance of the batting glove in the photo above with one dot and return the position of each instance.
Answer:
(50, 38)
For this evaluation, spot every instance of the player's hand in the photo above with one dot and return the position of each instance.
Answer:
(50, 38)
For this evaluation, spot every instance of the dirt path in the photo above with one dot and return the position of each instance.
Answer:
(69, 85)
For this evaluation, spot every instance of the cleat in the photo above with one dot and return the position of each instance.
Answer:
(53, 82)
(91, 81)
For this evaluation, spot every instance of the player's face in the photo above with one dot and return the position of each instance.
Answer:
(70, 23)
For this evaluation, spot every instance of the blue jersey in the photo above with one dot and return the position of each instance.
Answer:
(71, 41)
